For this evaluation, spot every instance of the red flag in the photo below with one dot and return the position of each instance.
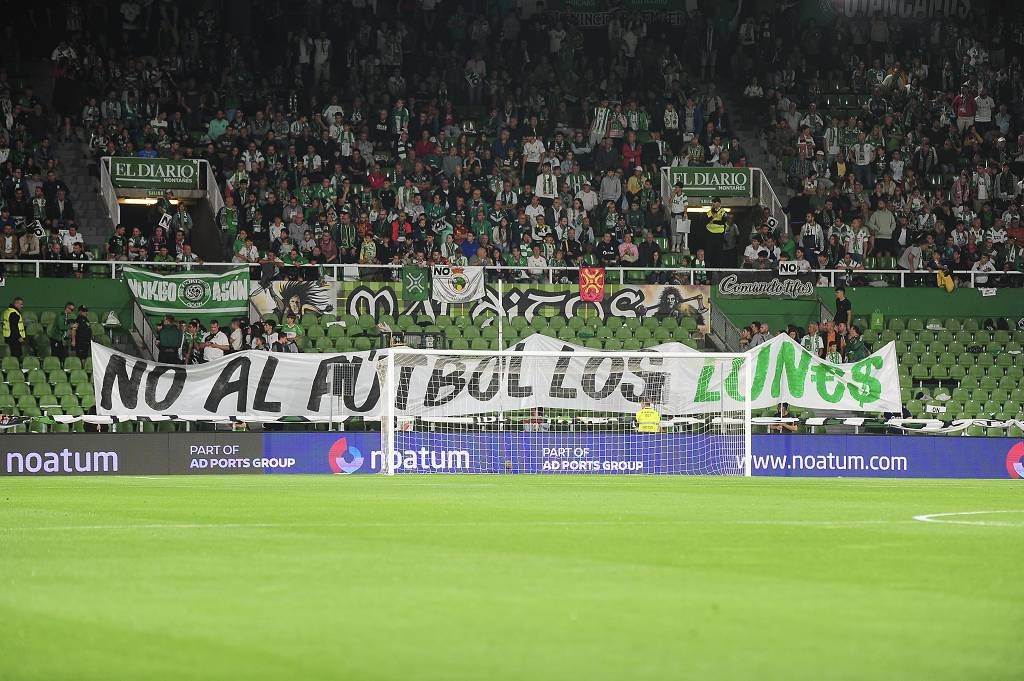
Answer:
(591, 284)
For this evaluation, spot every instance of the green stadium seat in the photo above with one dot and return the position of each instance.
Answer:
(20, 390)
(37, 376)
(10, 364)
(27, 402)
(87, 401)
(612, 344)
(72, 363)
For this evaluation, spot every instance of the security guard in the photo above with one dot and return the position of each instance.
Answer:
(715, 228)
(648, 420)
(14, 327)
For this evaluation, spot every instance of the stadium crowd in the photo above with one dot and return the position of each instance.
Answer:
(382, 133)
(901, 142)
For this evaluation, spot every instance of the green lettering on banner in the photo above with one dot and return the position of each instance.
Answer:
(823, 374)
(764, 360)
(795, 370)
(704, 392)
(732, 382)
(866, 388)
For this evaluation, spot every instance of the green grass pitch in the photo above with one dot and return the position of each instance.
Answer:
(518, 577)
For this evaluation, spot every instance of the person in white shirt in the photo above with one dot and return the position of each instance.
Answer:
(71, 237)
(997, 233)
(546, 186)
(588, 197)
(802, 264)
(534, 210)
(984, 266)
(533, 149)
(248, 253)
(214, 344)
(536, 263)
(678, 205)
(811, 235)
(863, 156)
(984, 107)
(751, 251)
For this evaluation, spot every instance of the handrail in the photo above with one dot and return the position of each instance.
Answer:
(145, 329)
(108, 192)
(339, 270)
(773, 204)
(723, 328)
(213, 195)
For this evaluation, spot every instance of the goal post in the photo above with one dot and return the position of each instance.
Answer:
(572, 411)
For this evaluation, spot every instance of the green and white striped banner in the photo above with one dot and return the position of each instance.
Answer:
(203, 295)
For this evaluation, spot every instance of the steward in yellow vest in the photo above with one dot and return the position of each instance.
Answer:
(14, 327)
(648, 420)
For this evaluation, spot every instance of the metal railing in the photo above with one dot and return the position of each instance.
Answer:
(108, 193)
(543, 275)
(724, 330)
(767, 196)
(145, 329)
(213, 195)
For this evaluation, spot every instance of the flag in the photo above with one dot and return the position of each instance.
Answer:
(591, 284)
(456, 284)
(205, 295)
(415, 283)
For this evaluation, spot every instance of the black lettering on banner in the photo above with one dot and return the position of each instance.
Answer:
(223, 387)
(473, 386)
(515, 374)
(402, 393)
(652, 386)
(439, 381)
(322, 384)
(127, 386)
(590, 377)
(173, 391)
(557, 390)
(266, 379)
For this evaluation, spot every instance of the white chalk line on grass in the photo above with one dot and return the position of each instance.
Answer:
(944, 518)
(441, 524)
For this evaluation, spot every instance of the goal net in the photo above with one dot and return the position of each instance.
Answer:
(565, 412)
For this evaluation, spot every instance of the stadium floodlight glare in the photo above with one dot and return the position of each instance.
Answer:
(564, 412)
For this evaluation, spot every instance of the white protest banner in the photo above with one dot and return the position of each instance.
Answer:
(456, 284)
(254, 385)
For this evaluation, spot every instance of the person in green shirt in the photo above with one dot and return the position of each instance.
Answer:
(164, 256)
(59, 329)
(786, 245)
(169, 340)
(117, 245)
(190, 335)
(227, 220)
(291, 328)
(855, 348)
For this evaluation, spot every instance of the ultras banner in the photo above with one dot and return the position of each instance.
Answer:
(254, 385)
(191, 294)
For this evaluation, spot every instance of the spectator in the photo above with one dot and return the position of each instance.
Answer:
(14, 327)
(81, 334)
(844, 310)
(213, 344)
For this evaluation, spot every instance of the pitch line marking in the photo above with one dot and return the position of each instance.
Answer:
(942, 518)
(452, 525)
